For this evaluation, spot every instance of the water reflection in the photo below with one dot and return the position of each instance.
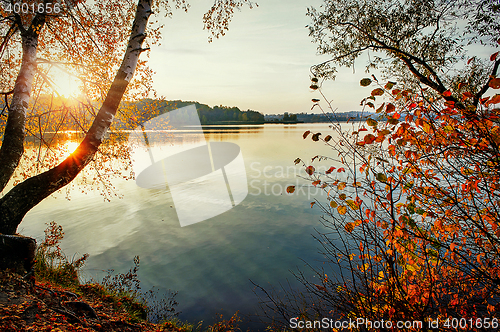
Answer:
(209, 263)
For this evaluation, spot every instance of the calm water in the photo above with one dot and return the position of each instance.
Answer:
(212, 262)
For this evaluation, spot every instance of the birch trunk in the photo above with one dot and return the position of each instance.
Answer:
(15, 130)
(23, 197)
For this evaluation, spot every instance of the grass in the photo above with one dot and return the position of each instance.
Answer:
(121, 291)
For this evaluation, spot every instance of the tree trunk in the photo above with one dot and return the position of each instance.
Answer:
(17, 253)
(23, 197)
(15, 130)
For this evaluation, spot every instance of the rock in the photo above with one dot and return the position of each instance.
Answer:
(80, 308)
(17, 253)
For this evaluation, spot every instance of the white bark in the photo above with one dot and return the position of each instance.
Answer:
(23, 197)
(15, 130)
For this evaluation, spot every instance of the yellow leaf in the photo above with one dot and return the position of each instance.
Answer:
(352, 204)
(342, 209)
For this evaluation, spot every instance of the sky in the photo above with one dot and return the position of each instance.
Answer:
(262, 63)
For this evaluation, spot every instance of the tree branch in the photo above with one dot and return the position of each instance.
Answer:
(486, 86)
(23, 197)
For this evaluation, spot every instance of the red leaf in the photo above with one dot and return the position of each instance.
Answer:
(461, 85)
(310, 170)
(363, 129)
(396, 116)
(494, 83)
(447, 93)
(390, 108)
(467, 94)
(493, 57)
(470, 60)
(331, 169)
(321, 288)
(342, 169)
(315, 183)
(450, 104)
(312, 204)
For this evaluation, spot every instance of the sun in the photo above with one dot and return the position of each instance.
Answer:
(64, 84)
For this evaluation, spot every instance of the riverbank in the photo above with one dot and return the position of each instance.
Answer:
(44, 306)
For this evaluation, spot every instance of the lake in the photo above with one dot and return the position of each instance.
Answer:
(209, 263)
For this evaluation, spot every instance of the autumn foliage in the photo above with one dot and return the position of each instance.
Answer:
(413, 222)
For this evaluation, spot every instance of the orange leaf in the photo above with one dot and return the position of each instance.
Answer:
(310, 170)
(349, 227)
(447, 93)
(377, 92)
(315, 183)
(290, 189)
(494, 83)
(495, 99)
(342, 210)
(369, 139)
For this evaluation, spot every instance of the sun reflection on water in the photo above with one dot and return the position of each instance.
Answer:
(71, 146)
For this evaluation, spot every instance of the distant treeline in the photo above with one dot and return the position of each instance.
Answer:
(131, 114)
(148, 108)
(219, 114)
(313, 117)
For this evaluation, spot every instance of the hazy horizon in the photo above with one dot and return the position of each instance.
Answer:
(262, 63)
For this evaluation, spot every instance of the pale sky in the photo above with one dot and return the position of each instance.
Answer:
(262, 63)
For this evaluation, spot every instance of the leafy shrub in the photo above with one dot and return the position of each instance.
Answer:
(52, 264)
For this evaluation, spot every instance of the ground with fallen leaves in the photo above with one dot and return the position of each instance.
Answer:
(28, 305)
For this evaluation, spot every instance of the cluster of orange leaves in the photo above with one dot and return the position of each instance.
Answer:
(424, 204)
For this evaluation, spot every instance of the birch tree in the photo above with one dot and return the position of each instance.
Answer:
(82, 33)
